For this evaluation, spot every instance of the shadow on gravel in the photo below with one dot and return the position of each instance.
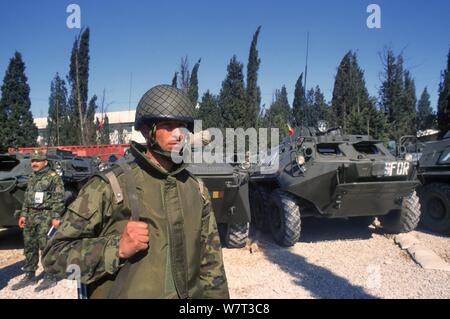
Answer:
(317, 230)
(320, 282)
(11, 239)
(9, 272)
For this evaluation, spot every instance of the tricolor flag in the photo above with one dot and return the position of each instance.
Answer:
(291, 130)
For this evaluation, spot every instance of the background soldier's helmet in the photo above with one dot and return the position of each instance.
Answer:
(38, 155)
(164, 102)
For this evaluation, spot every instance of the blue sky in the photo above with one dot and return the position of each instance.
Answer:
(148, 38)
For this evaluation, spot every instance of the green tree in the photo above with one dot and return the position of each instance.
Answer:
(299, 103)
(175, 80)
(397, 96)
(105, 131)
(317, 107)
(78, 80)
(233, 97)
(443, 107)
(17, 125)
(209, 111)
(408, 106)
(57, 126)
(279, 113)
(91, 129)
(193, 84)
(253, 90)
(425, 115)
(351, 104)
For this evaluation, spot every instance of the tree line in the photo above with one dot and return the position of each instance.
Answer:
(395, 112)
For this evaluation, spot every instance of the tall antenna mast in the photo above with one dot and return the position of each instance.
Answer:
(306, 64)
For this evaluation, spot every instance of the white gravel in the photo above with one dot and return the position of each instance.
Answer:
(11, 259)
(334, 259)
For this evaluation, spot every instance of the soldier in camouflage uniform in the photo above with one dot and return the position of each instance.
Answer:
(42, 207)
(145, 229)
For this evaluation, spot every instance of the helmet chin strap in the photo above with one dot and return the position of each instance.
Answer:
(153, 145)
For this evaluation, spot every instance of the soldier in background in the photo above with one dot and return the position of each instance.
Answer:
(42, 208)
(146, 228)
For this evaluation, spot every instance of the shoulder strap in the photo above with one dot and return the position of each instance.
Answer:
(134, 205)
(201, 184)
(130, 187)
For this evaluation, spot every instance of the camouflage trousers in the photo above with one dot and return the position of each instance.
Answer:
(35, 237)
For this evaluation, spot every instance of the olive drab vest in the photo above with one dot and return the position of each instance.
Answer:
(172, 204)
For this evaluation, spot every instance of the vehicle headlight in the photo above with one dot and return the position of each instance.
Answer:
(102, 166)
(300, 160)
(322, 126)
(445, 158)
(58, 168)
(408, 157)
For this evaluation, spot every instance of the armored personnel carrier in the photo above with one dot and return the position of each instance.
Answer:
(323, 173)
(434, 173)
(16, 168)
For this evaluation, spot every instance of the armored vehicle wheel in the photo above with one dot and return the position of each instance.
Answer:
(285, 223)
(404, 220)
(237, 235)
(259, 202)
(435, 201)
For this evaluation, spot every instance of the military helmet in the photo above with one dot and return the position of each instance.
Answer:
(38, 155)
(164, 102)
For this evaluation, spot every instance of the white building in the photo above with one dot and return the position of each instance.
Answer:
(121, 127)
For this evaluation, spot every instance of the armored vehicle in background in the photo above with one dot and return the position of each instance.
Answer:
(228, 188)
(323, 173)
(15, 170)
(434, 173)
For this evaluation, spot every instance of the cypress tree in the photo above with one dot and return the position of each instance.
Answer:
(299, 104)
(17, 125)
(443, 107)
(425, 116)
(253, 90)
(193, 84)
(209, 111)
(57, 128)
(233, 98)
(78, 80)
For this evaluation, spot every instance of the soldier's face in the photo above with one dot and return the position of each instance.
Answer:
(37, 166)
(168, 134)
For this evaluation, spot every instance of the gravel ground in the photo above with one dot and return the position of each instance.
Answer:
(334, 259)
(11, 259)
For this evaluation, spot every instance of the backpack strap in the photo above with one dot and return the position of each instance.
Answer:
(201, 184)
(115, 186)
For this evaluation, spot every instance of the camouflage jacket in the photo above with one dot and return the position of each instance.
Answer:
(45, 192)
(184, 258)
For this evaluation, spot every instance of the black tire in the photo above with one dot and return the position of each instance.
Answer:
(285, 223)
(237, 235)
(404, 220)
(435, 202)
(259, 202)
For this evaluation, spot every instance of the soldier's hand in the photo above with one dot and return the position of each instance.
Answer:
(135, 238)
(22, 222)
(56, 223)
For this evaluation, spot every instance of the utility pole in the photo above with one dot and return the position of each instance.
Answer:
(57, 120)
